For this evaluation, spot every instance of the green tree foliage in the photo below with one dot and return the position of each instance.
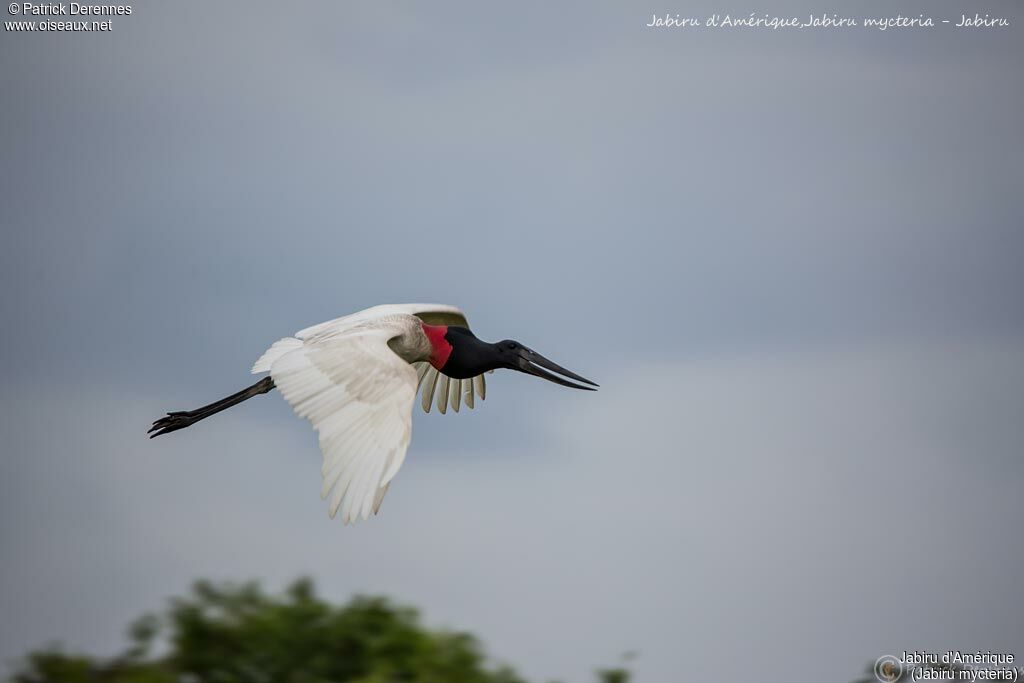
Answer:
(238, 634)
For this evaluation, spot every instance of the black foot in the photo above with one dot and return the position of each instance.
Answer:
(172, 422)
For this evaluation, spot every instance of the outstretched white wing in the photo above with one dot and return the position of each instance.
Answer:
(344, 378)
(358, 395)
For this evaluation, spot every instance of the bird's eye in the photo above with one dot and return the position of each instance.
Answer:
(512, 346)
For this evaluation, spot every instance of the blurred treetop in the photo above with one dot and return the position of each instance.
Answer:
(235, 633)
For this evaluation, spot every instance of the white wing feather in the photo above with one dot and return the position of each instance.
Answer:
(358, 395)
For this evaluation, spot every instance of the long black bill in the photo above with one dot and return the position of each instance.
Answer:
(532, 363)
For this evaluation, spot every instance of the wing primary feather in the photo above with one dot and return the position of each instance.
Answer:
(467, 387)
(421, 371)
(455, 387)
(379, 497)
(442, 395)
(339, 491)
(352, 497)
(481, 387)
(428, 389)
(376, 468)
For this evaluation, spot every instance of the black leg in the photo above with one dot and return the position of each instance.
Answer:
(172, 422)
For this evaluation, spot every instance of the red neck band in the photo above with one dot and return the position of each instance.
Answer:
(440, 348)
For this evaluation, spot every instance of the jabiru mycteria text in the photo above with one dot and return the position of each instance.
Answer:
(355, 379)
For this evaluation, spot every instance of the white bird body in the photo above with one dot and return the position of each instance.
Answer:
(355, 379)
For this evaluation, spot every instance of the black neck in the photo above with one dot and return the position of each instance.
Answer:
(470, 356)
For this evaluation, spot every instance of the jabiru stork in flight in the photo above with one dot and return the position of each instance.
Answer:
(355, 379)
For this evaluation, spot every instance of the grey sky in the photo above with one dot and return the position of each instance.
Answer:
(792, 260)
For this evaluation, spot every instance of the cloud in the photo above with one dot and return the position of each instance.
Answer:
(714, 514)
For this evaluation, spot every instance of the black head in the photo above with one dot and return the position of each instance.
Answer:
(471, 356)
